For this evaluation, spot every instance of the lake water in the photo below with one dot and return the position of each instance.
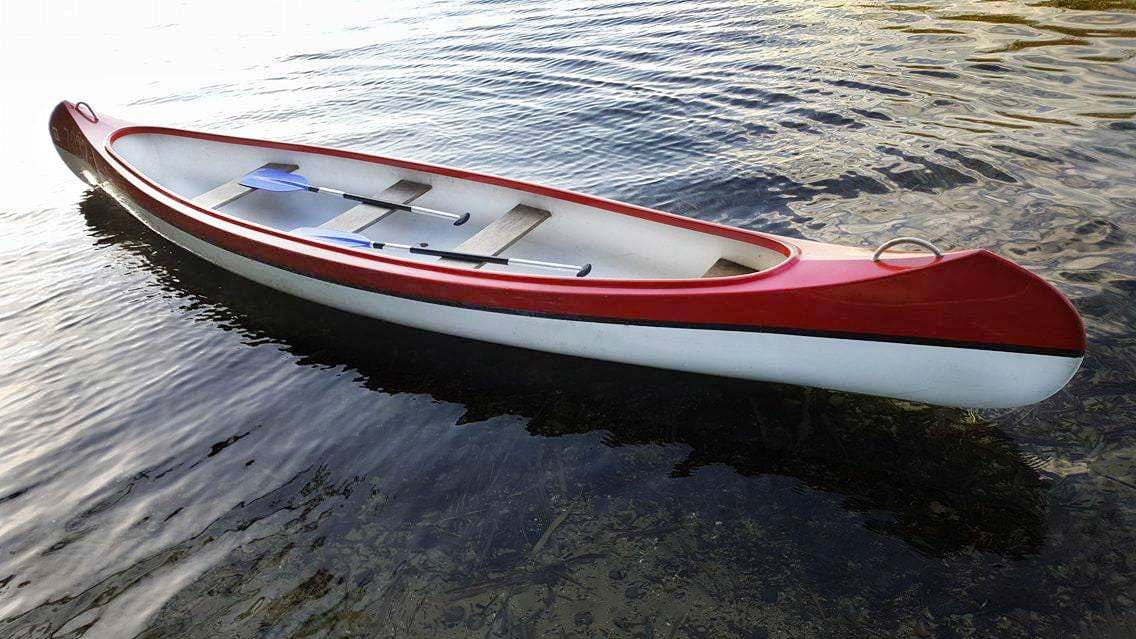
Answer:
(184, 454)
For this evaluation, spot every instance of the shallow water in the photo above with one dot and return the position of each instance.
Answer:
(183, 453)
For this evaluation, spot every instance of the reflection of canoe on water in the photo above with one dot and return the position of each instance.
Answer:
(543, 268)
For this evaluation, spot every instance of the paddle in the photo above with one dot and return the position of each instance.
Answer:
(355, 240)
(278, 181)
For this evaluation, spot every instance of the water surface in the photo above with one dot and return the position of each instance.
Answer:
(183, 453)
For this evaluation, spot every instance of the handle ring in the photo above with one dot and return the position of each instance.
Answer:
(92, 118)
(906, 240)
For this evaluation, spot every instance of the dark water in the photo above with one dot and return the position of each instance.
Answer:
(186, 454)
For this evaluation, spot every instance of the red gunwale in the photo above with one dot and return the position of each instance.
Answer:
(967, 299)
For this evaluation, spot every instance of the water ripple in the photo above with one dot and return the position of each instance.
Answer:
(187, 454)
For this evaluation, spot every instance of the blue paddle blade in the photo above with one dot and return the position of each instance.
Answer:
(354, 240)
(267, 179)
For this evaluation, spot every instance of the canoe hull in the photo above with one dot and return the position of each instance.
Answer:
(937, 374)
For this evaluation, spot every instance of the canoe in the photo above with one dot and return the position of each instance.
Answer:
(964, 328)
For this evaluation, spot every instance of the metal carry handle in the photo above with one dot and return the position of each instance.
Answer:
(906, 240)
(92, 118)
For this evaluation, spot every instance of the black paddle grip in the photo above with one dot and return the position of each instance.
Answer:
(463, 257)
(373, 202)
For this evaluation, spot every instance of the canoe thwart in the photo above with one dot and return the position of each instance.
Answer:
(505, 231)
(233, 190)
(361, 216)
(726, 268)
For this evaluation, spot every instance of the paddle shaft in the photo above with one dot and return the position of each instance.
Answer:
(458, 219)
(581, 271)
(355, 240)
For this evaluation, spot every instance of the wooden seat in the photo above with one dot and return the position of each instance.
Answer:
(230, 191)
(359, 217)
(726, 268)
(502, 233)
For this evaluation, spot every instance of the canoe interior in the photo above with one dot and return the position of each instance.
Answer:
(618, 246)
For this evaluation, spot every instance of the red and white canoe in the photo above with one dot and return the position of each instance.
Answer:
(966, 328)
